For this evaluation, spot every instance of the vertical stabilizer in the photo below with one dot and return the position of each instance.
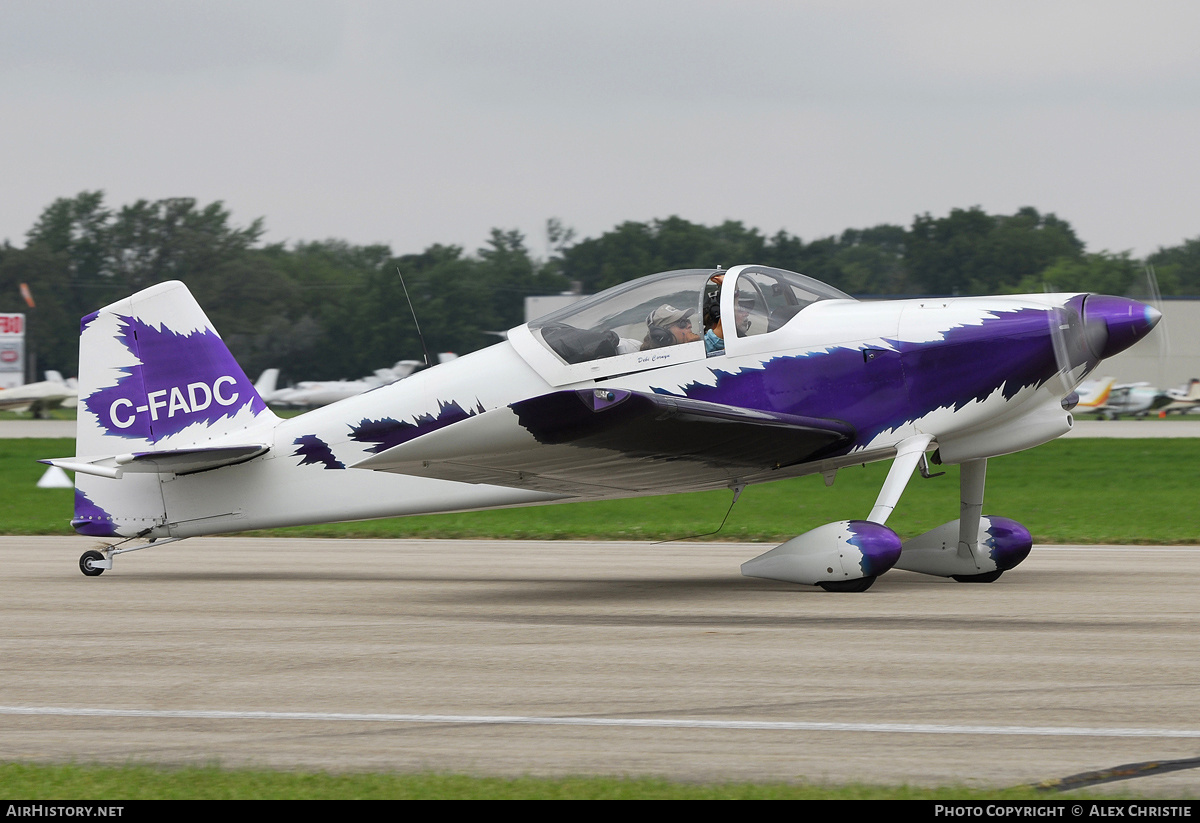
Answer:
(154, 375)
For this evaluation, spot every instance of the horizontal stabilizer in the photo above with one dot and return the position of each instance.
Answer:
(596, 441)
(172, 461)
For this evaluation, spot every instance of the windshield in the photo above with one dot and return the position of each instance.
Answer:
(651, 312)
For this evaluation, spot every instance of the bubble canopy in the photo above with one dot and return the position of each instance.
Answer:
(660, 319)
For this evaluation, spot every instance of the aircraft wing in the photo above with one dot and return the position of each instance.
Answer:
(596, 441)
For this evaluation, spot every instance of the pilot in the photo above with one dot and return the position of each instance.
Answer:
(714, 330)
(669, 326)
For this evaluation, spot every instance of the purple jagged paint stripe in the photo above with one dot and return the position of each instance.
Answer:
(1008, 542)
(86, 321)
(879, 545)
(969, 364)
(388, 432)
(183, 379)
(315, 450)
(90, 519)
(973, 362)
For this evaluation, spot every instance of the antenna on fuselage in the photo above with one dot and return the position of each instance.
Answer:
(421, 337)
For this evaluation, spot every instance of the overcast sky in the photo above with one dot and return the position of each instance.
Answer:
(412, 123)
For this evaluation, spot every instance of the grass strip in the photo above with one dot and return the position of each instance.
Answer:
(1067, 491)
(34, 782)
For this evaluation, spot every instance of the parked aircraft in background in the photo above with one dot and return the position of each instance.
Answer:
(1184, 399)
(1110, 399)
(40, 397)
(1094, 394)
(313, 393)
(265, 385)
(616, 395)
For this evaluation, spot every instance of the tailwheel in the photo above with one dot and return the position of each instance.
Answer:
(859, 585)
(986, 577)
(88, 563)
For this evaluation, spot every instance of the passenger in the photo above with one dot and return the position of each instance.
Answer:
(714, 334)
(714, 330)
(668, 326)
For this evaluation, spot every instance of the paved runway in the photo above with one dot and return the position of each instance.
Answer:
(597, 658)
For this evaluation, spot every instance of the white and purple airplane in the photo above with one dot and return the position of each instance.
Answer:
(586, 403)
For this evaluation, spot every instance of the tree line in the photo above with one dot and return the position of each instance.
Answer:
(330, 309)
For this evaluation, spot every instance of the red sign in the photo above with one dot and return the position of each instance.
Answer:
(12, 323)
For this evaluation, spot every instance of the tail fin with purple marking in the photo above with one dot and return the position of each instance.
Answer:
(159, 394)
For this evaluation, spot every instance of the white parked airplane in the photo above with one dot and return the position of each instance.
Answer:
(1184, 399)
(265, 384)
(40, 397)
(313, 393)
(174, 442)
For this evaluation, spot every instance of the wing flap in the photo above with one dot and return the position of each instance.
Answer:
(601, 441)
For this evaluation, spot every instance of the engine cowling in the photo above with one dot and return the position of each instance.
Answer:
(838, 552)
(1033, 428)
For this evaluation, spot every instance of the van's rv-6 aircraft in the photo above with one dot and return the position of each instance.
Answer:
(174, 442)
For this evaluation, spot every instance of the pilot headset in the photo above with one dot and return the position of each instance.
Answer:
(712, 303)
(659, 335)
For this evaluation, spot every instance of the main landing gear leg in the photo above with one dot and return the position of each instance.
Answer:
(909, 453)
(975, 548)
(972, 475)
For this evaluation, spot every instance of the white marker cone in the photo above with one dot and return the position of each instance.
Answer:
(55, 478)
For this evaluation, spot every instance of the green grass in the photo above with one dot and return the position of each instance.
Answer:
(24, 508)
(62, 782)
(1068, 491)
(57, 413)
